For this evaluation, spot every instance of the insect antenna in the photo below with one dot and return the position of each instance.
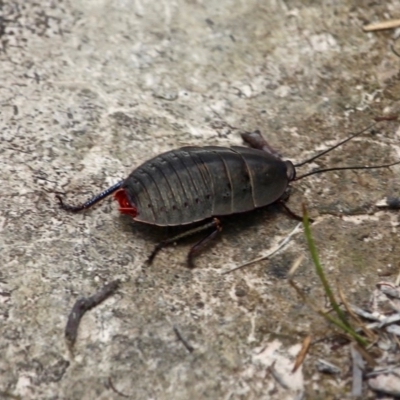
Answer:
(91, 201)
(335, 146)
(318, 171)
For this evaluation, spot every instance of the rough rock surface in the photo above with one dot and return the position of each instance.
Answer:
(92, 88)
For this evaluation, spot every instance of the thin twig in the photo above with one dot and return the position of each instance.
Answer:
(269, 254)
(386, 118)
(295, 266)
(178, 334)
(85, 304)
(302, 354)
(379, 26)
(110, 382)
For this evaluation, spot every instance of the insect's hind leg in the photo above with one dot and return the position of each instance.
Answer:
(215, 223)
(257, 141)
(90, 202)
(195, 249)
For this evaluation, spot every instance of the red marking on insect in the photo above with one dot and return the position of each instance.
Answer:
(125, 206)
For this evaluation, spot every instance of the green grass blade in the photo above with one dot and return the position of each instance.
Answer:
(342, 322)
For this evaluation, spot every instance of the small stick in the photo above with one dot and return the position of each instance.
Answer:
(379, 26)
(110, 383)
(178, 334)
(386, 118)
(85, 304)
(295, 267)
(270, 253)
(302, 354)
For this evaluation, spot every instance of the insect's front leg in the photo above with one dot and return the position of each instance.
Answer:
(282, 203)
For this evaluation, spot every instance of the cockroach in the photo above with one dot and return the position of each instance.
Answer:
(193, 184)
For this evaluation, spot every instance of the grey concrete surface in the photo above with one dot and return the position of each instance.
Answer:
(89, 90)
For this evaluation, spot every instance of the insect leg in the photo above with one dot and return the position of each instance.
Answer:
(215, 223)
(91, 201)
(257, 141)
(203, 242)
(290, 213)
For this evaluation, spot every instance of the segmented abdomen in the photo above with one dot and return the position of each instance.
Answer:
(194, 183)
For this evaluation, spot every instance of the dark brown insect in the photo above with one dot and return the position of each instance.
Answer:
(192, 184)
